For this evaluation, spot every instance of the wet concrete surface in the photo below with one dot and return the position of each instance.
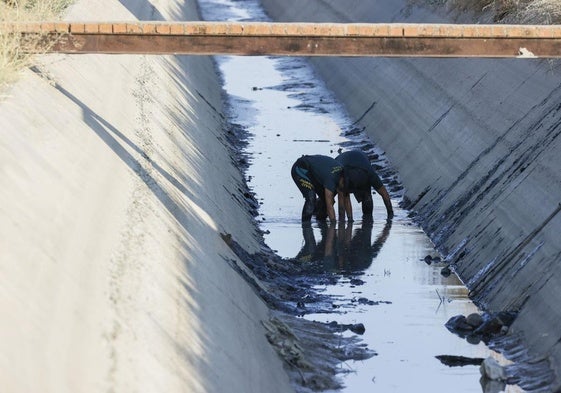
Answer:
(382, 282)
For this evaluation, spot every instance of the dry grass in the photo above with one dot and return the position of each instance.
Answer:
(496, 10)
(501, 11)
(12, 59)
(523, 11)
(542, 12)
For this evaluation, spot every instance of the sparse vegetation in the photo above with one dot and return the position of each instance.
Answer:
(12, 59)
(502, 11)
(542, 12)
(496, 10)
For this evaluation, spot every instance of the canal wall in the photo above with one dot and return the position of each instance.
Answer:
(117, 181)
(476, 144)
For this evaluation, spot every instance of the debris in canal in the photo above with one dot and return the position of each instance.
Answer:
(368, 302)
(429, 259)
(459, 361)
(485, 327)
(446, 271)
(530, 373)
(357, 328)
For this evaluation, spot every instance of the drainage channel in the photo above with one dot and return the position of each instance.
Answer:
(398, 294)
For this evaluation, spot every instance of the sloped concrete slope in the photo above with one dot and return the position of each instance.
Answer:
(116, 182)
(477, 146)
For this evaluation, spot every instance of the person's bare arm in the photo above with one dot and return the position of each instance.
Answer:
(330, 239)
(345, 206)
(341, 206)
(387, 201)
(329, 202)
(348, 206)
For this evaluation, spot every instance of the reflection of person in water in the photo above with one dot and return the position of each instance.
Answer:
(313, 253)
(356, 252)
(339, 250)
(309, 249)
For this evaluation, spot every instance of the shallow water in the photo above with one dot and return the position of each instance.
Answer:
(402, 301)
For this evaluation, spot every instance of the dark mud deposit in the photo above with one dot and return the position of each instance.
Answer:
(312, 351)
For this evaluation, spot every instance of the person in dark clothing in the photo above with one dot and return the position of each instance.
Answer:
(318, 178)
(359, 178)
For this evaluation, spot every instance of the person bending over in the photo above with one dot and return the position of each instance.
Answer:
(318, 178)
(359, 178)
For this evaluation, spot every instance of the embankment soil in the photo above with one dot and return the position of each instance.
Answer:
(476, 143)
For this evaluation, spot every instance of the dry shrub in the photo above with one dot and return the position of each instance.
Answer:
(502, 9)
(494, 11)
(499, 11)
(542, 12)
(12, 58)
(518, 11)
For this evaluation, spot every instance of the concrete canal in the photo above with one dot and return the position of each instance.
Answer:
(386, 275)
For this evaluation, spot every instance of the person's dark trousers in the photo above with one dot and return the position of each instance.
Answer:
(321, 208)
(301, 175)
(364, 197)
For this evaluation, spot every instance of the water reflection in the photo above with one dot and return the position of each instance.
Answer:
(356, 252)
(340, 250)
(381, 280)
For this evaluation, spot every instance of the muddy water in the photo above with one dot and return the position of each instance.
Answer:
(402, 301)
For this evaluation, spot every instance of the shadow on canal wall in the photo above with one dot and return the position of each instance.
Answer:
(476, 143)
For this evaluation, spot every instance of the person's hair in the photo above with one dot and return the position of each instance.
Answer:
(354, 179)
